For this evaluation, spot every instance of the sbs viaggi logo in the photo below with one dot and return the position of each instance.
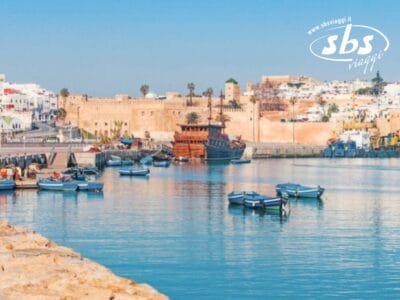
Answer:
(339, 40)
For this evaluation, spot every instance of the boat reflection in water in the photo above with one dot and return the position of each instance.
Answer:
(309, 202)
(58, 195)
(6, 196)
(95, 196)
(275, 214)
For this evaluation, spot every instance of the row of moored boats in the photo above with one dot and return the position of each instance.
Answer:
(284, 192)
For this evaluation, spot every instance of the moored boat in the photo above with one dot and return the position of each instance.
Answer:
(181, 159)
(7, 184)
(115, 161)
(127, 162)
(93, 186)
(147, 160)
(134, 171)
(162, 163)
(57, 185)
(237, 197)
(299, 191)
(240, 161)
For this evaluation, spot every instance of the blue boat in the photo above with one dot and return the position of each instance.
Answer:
(115, 161)
(279, 188)
(237, 197)
(255, 200)
(134, 171)
(147, 160)
(240, 161)
(92, 186)
(299, 191)
(262, 201)
(7, 184)
(161, 163)
(57, 185)
(127, 162)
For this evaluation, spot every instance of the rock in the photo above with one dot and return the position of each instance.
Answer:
(38, 268)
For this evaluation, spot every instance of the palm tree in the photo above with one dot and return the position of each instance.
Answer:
(222, 118)
(144, 89)
(64, 92)
(254, 99)
(208, 93)
(191, 86)
(192, 118)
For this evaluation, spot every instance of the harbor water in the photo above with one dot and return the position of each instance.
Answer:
(176, 231)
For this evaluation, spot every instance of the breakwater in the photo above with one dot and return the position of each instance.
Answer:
(282, 150)
(33, 267)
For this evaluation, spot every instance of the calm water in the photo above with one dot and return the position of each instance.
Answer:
(177, 232)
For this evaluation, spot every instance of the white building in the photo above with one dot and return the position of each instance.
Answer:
(26, 97)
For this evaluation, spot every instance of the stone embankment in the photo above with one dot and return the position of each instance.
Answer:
(33, 267)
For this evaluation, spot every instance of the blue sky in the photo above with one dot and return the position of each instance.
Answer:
(112, 47)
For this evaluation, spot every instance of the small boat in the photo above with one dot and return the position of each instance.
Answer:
(236, 197)
(93, 186)
(240, 161)
(181, 159)
(90, 170)
(283, 186)
(161, 163)
(147, 160)
(7, 184)
(114, 161)
(263, 201)
(299, 191)
(134, 172)
(57, 185)
(127, 162)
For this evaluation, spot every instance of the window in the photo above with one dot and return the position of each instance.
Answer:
(105, 124)
(95, 123)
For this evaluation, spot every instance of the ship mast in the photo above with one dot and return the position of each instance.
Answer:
(221, 114)
(209, 110)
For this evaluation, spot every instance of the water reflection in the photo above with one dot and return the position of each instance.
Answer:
(273, 214)
(177, 226)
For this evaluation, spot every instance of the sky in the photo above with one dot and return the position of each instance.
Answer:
(103, 48)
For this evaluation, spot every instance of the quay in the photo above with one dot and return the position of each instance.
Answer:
(33, 267)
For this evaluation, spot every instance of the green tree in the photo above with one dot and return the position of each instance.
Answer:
(234, 104)
(192, 118)
(61, 113)
(222, 118)
(116, 131)
(191, 86)
(321, 102)
(254, 100)
(379, 84)
(333, 108)
(64, 92)
(144, 89)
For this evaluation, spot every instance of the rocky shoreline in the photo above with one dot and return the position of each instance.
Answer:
(33, 267)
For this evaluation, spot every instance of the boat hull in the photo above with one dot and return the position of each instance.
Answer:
(57, 186)
(299, 191)
(134, 172)
(7, 184)
(223, 153)
(240, 161)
